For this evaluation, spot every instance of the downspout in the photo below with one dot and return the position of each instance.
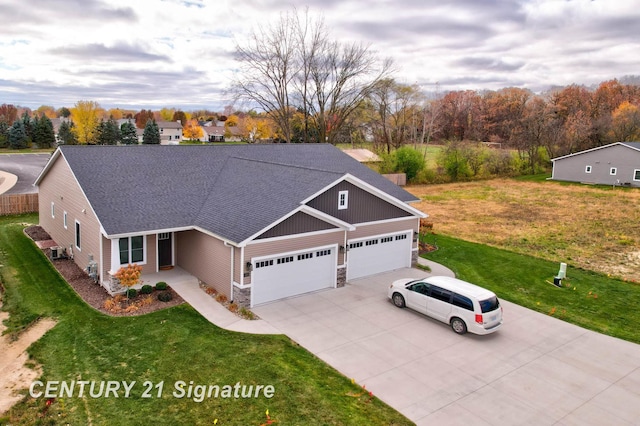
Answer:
(231, 282)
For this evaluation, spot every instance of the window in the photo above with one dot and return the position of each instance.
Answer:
(53, 210)
(462, 302)
(401, 237)
(440, 293)
(78, 240)
(421, 288)
(371, 242)
(305, 256)
(386, 239)
(613, 171)
(636, 174)
(489, 305)
(587, 169)
(323, 253)
(343, 200)
(131, 250)
(64, 219)
(264, 263)
(286, 259)
(355, 245)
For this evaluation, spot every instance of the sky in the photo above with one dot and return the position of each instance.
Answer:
(155, 54)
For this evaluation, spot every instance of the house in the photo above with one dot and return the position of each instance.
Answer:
(256, 222)
(170, 132)
(614, 164)
(213, 133)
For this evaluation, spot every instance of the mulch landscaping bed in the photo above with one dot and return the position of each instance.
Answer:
(94, 294)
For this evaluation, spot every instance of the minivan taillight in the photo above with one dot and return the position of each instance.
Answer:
(479, 319)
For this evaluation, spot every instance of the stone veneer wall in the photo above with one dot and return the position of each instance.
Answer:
(242, 296)
(342, 277)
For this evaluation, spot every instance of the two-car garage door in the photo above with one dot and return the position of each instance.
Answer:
(373, 255)
(293, 273)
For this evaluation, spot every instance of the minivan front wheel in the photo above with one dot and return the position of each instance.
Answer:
(458, 325)
(398, 300)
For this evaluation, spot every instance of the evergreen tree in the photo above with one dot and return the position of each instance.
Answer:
(129, 134)
(18, 136)
(4, 134)
(108, 132)
(151, 133)
(65, 134)
(44, 135)
(28, 127)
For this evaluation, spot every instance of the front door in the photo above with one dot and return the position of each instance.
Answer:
(165, 252)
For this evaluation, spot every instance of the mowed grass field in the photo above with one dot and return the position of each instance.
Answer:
(590, 227)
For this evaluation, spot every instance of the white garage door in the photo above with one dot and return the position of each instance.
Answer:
(378, 254)
(292, 274)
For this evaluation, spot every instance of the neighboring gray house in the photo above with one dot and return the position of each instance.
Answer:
(256, 222)
(614, 164)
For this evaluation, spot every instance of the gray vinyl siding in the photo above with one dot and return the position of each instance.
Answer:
(206, 258)
(299, 223)
(625, 159)
(362, 205)
(61, 188)
(286, 245)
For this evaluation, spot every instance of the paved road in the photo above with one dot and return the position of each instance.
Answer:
(26, 167)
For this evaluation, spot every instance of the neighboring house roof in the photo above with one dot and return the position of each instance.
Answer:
(632, 145)
(362, 155)
(232, 192)
(169, 124)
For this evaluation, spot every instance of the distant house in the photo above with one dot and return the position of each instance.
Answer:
(256, 222)
(213, 133)
(170, 132)
(614, 164)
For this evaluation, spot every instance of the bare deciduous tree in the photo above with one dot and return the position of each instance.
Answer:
(293, 65)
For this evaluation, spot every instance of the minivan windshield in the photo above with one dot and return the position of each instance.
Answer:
(489, 305)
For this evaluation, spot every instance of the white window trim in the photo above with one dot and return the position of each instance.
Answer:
(53, 210)
(115, 250)
(613, 171)
(64, 220)
(636, 172)
(341, 205)
(76, 240)
(587, 169)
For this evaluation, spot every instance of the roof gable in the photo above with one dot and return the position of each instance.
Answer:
(230, 191)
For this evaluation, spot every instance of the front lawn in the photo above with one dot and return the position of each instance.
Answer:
(167, 346)
(588, 299)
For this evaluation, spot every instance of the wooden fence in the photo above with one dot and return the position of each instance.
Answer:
(18, 204)
(399, 179)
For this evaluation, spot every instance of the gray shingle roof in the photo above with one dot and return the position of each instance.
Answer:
(231, 191)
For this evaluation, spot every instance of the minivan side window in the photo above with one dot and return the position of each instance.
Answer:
(440, 294)
(462, 302)
(489, 305)
(421, 288)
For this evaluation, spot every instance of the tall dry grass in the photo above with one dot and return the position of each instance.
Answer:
(594, 228)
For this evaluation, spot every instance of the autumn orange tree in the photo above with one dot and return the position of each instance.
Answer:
(192, 130)
(129, 275)
(625, 126)
(86, 117)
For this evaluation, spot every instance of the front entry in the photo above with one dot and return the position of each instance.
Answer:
(165, 250)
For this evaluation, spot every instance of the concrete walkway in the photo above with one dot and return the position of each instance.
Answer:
(187, 287)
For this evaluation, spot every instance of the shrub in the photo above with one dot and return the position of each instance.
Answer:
(161, 285)
(233, 307)
(165, 296)
(146, 289)
(221, 298)
(131, 293)
(409, 161)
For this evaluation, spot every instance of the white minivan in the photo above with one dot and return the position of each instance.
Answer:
(465, 306)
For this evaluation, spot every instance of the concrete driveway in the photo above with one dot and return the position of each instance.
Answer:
(536, 370)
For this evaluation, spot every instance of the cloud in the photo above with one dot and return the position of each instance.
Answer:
(118, 52)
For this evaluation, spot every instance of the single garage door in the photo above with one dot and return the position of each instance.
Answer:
(378, 254)
(292, 274)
